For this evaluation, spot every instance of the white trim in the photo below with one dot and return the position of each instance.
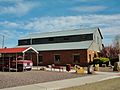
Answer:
(61, 33)
(29, 49)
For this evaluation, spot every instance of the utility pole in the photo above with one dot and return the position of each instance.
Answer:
(3, 41)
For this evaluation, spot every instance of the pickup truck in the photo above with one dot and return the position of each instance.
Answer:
(21, 65)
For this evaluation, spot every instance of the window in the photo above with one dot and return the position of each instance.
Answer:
(66, 38)
(36, 41)
(40, 59)
(83, 37)
(51, 39)
(24, 42)
(86, 37)
(76, 58)
(57, 58)
(89, 36)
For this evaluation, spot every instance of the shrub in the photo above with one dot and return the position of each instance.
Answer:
(101, 61)
(104, 60)
(95, 61)
(113, 60)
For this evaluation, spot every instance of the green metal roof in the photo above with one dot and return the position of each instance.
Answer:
(61, 33)
(61, 46)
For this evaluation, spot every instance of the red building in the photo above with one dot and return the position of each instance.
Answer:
(65, 47)
(18, 58)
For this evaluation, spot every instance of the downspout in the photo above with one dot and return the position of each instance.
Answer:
(9, 63)
(3, 63)
(37, 61)
(23, 59)
(16, 62)
(23, 56)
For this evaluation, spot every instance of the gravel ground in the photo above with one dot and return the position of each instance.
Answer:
(105, 69)
(13, 79)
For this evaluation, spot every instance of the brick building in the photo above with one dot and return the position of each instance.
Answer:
(64, 47)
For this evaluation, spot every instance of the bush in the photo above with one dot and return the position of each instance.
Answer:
(113, 60)
(101, 61)
(96, 61)
(104, 59)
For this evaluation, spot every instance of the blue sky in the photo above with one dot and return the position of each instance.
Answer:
(21, 17)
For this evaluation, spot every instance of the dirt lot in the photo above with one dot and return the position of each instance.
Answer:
(12, 79)
(112, 84)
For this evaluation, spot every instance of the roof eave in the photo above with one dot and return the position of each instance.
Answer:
(100, 33)
(29, 49)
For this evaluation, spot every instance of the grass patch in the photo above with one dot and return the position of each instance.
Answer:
(111, 84)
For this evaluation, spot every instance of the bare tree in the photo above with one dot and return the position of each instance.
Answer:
(117, 43)
(113, 50)
(109, 52)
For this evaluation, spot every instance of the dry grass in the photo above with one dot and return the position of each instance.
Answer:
(112, 84)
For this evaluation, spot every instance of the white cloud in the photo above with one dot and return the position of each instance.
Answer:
(43, 24)
(70, 22)
(9, 24)
(85, 0)
(10, 0)
(18, 8)
(10, 34)
(113, 30)
(89, 9)
(109, 24)
(10, 37)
